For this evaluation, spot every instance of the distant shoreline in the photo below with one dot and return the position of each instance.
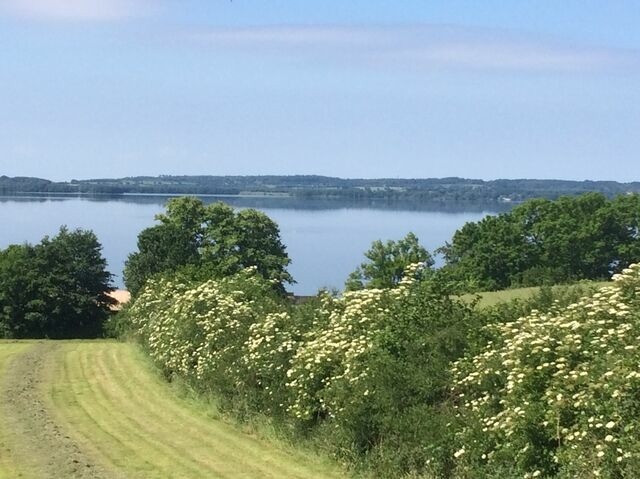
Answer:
(302, 187)
(89, 193)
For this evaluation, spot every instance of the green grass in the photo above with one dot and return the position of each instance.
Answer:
(117, 418)
(8, 467)
(491, 298)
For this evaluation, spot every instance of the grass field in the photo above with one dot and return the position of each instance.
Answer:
(97, 410)
(491, 298)
(8, 468)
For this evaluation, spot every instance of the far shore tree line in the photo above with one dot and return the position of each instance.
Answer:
(59, 287)
(421, 190)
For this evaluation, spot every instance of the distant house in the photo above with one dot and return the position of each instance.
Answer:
(121, 296)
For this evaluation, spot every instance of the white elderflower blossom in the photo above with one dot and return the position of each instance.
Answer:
(567, 366)
(459, 453)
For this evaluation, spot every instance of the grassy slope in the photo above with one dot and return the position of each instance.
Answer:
(120, 420)
(491, 298)
(8, 467)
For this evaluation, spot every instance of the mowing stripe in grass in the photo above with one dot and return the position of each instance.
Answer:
(106, 395)
(154, 431)
(67, 396)
(40, 446)
(224, 440)
(8, 467)
(163, 424)
(128, 441)
(247, 448)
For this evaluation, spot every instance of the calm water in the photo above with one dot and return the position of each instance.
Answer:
(325, 239)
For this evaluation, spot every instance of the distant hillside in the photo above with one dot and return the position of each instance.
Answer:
(21, 184)
(313, 186)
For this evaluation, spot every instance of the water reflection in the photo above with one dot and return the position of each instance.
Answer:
(284, 202)
(325, 239)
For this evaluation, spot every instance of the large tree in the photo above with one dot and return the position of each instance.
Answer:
(547, 241)
(386, 263)
(56, 289)
(212, 240)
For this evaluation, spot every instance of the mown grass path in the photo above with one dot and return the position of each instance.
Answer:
(8, 466)
(96, 410)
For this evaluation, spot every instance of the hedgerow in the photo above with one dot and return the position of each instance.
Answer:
(558, 392)
(413, 380)
(198, 331)
(358, 366)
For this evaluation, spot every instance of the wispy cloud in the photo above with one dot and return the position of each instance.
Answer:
(75, 10)
(427, 47)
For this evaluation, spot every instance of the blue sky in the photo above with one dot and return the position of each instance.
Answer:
(510, 89)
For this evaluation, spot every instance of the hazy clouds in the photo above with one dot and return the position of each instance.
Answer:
(75, 10)
(429, 47)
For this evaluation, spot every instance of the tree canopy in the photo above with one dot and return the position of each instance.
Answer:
(386, 263)
(544, 241)
(210, 240)
(56, 289)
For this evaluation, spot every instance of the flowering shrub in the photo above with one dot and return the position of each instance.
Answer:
(557, 393)
(270, 346)
(199, 331)
(376, 369)
(379, 372)
(333, 356)
(372, 364)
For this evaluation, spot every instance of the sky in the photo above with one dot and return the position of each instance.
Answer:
(357, 89)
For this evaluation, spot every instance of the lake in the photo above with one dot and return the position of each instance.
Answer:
(325, 239)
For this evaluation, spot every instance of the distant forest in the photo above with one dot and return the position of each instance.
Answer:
(312, 186)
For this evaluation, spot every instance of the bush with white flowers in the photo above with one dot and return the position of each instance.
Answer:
(199, 331)
(558, 392)
(412, 379)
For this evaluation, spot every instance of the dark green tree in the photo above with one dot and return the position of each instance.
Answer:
(161, 248)
(621, 221)
(22, 311)
(56, 289)
(208, 241)
(546, 242)
(498, 249)
(386, 263)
